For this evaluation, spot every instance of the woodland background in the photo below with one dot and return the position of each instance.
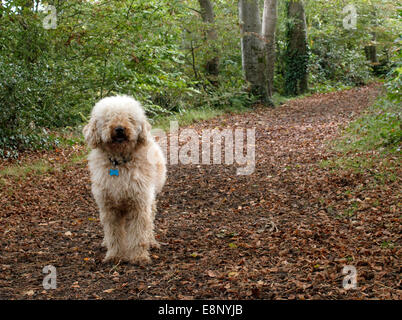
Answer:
(325, 103)
(178, 56)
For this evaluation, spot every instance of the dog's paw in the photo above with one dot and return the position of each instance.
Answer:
(112, 258)
(154, 244)
(142, 259)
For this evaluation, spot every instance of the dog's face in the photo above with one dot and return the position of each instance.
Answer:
(118, 124)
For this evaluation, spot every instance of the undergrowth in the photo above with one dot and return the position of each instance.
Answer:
(372, 143)
(379, 129)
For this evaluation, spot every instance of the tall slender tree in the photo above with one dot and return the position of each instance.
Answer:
(296, 56)
(269, 18)
(208, 16)
(253, 49)
(371, 49)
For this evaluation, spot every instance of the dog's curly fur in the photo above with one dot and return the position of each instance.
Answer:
(126, 202)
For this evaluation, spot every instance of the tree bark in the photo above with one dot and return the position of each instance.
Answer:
(371, 51)
(252, 48)
(269, 18)
(208, 16)
(296, 76)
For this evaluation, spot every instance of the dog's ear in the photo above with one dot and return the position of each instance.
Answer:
(91, 134)
(145, 132)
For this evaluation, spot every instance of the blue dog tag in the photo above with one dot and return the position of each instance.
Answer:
(114, 172)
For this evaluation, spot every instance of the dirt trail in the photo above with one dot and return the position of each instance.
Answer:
(283, 232)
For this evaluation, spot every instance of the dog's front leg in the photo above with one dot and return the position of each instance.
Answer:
(113, 226)
(139, 234)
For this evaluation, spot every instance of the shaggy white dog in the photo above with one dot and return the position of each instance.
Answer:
(128, 169)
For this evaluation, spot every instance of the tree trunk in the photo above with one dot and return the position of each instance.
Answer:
(371, 54)
(268, 31)
(207, 14)
(296, 76)
(371, 51)
(252, 47)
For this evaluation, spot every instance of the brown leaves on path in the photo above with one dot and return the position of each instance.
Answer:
(286, 231)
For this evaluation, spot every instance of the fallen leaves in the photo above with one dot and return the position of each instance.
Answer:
(281, 233)
(232, 275)
(108, 290)
(211, 274)
(29, 293)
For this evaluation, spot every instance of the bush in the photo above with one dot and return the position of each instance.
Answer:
(51, 78)
(382, 126)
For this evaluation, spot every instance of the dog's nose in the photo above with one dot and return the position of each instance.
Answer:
(119, 130)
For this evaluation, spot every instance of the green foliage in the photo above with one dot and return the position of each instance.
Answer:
(394, 83)
(381, 127)
(156, 51)
(338, 54)
(332, 64)
(48, 78)
(51, 78)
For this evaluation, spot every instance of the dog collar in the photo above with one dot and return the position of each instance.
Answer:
(115, 162)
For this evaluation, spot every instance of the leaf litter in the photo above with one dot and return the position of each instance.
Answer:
(284, 232)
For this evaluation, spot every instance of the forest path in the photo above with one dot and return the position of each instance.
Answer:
(285, 231)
